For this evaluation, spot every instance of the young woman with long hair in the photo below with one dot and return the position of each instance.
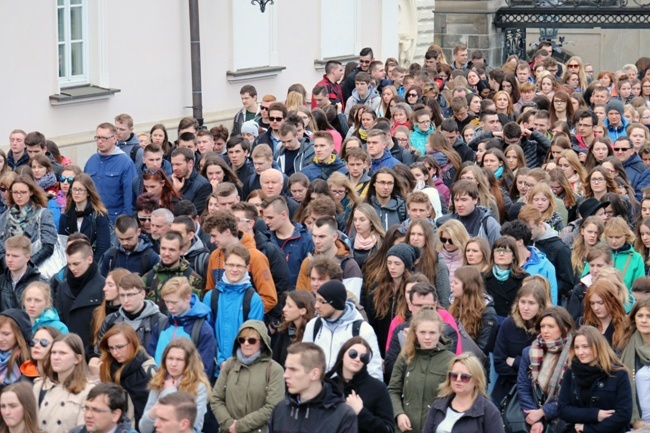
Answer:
(66, 380)
(473, 308)
(598, 259)
(599, 150)
(85, 213)
(420, 234)
(477, 252)
(599, 182)
(515, 158)
(180, 370)
(19, 410)
(642, 241)
(299, 308)
(125, 362)
(448, 159)
(575, 173)
(419, 370)
(542, 366)
(452, 236)
(519, 185)
(596, 391)
(516, 333)
(561, 189)
(561, 108)
(344, 193)
(37, 302)
(505, 278)
(605, 312)
(619, 238)
(589, 235)
(216, 170)
(546, 84)
(110, 303)
(366, 395)
(374, 268)
(39, 350)
(504, 105)
(16, 330)
(485, 196)
(368, 233)
(155, 181)
(160, 138)
(434, 171)
(543, 199)
(495, 161)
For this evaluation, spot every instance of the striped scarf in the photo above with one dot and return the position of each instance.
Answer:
(538, 349)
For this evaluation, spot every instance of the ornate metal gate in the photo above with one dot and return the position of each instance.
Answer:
(520, 15)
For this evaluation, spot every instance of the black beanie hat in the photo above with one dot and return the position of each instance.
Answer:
(406, 253)
(22, 320)
(334, 293)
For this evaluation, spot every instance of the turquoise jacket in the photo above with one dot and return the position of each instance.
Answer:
(49, 317)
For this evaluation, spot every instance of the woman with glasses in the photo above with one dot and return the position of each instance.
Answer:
(39, 351)
(145, 204)
(561, 108)
(155, 181)
(344, 193)
(413, 96)
(599, 182)
(59, 202)
(85, 213)
(505, 278)
(63, 390)
(542, 368)
(125, 362)
(422, 128)
(180, 370)
(27, 215)
(366, 396)
(419, 370)
(250, 384)
(452, 236)
(463, 404)
(575, 66)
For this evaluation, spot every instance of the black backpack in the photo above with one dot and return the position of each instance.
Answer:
(144, 260)
(246, 305)
(356, 327)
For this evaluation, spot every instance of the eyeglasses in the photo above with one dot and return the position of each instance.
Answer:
(424, 122)
(44, 342)
(559, 101)
(582, 125)
(573, 66)
(622, 149)
(464, 377)
(382, 183)
(276, 119)
(445, 240)
(502, 251)
(95, 410)
(234, 266)
(66, 179)
(597, 179)
(144, 218)
(363, 357)
(250, 340)
(79, 190)
(115, 348)
(20, 193)
(338, 192)
(100, 138)
(128, 295)
(402, 140)
(411, 95)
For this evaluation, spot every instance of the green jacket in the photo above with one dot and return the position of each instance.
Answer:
(155, 279)
(413, 392)
(248, 393)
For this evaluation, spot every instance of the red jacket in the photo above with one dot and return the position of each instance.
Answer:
(334, 92)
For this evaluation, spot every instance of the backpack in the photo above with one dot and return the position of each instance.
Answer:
(246, 304)
(196, 329)
(154, 281)
(134, 152)
(356, 327)
(144, 260)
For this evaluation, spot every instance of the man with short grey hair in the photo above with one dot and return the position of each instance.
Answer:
(161, 223)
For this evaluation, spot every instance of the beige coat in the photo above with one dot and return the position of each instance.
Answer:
(60, 411)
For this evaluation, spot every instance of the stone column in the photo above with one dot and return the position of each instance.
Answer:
(469, 22)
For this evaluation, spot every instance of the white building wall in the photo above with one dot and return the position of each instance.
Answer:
(143, 48)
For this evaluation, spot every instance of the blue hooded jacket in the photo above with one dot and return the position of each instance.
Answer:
(49, 317)
(295, 249)
(230, 314)
(181, 326)
(538, 264)
(387, 160)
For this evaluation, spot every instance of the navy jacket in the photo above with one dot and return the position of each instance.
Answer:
(638, 174)
(197, 189)
(510, 343)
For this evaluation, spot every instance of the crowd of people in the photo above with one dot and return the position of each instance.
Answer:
(411, 249)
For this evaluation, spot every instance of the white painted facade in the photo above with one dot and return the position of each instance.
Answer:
(142, 47)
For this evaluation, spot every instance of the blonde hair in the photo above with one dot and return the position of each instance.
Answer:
(475, 368)
(177, 286)
(618, 226)
(604, 356)
(193, 373)
(546, 190)
(411, 343)
(456, 231)
(45, 290)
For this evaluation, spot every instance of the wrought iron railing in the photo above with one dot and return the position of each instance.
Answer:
(580, 3)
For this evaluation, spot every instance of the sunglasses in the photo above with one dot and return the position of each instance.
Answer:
(445, 240)
(276, 119)
(464, 377)
(44, 342)
(145, 218)
(621, 149)
(363, 357)
(412, 95)
(66, 179)
(250, 340)
(263, 108)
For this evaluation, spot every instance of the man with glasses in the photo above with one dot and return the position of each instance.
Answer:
(589, 72)
(105, 410)
(82, 291)
(134, 252)
(250, 110)
(637, 173)
(138, 312)
(277, 114)
(384, 197)
(112, 171)
(366, 56)
(584, 136)
(222, 227)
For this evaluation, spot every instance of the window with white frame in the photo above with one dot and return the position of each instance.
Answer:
(258, 48)
(72, 26)
(338, 35)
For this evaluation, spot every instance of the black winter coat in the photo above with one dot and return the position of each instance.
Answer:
(482, 417)
(134, 379)
(96, 227)
(377, 413)
(503, 292)
(612, 392)
(10, 297)
(279, 271)
(196, 189)
(558, 253)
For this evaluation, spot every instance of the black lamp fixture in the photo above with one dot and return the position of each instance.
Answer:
(262, 4)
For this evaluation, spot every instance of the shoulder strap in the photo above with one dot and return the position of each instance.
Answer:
(246, 306)
(356, 327)
(162, 324)
(111, 258)
(196, 330)
(134, 152)
(214, 302)
(627, 263)
(268, 373)
(317, 325)
(145, 259)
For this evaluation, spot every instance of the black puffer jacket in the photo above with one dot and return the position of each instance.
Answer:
(377, 413)
(134, 379)
(325, 413)
(10, 297)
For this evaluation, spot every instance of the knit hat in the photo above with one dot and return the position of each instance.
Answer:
(590, 206)
(614, 104)
(334, 293)
(406, 253)
(22, 320)
(250, 127)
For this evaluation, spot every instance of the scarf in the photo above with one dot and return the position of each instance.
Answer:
(538, 349)
(8, 377)
(452, 260)
(499, 172)
(586, 375)
(247, 360)
(17, 219)
(76, 284)
(365, 244)
(363, 134)
(60, 199)
(635, 348)
(500, 274)
(47, 181)
(73, 214)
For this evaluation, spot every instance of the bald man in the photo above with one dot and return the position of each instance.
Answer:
(272, 182)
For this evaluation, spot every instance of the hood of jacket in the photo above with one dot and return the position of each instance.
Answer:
(48, 316)
(536, 256)
(150, 309)
(116, 151)
(350, 314)
(261, 329)
(335, 164)
(330, 396)
(196, 247)
(393, 204)
(343, 250)
(548, 233)
(385, 157)
(198, 310)
(622, 127)
(635, 162)
(372, 93)
(143, 244)
(424, 134)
